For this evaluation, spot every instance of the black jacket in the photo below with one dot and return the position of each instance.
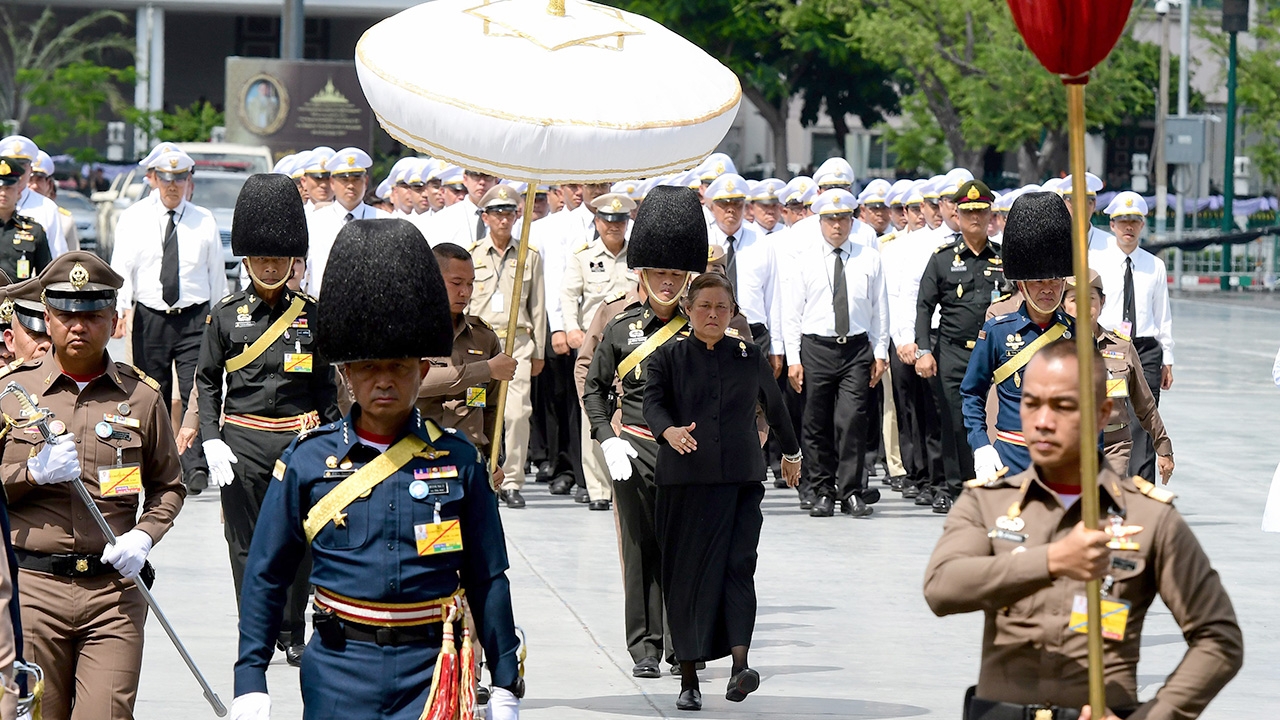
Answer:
(718, 389)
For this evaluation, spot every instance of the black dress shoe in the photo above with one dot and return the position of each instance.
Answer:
(897, 482)
(599, 505)
(823, 507)
(545, 469)
(742, 684)
(676, 670)
(925, 498)
(910, 491)
(855, 507)
(581, 495)
(942, 503)
(197, 482)
(293, 655)
(647, 668)
(689, 700)
(560, 485)
(778, 482)
(513, 499)
(871, 496)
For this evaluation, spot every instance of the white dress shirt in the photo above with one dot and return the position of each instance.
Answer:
(808, 297)
(44, 211)
(1100, 239)
(323, 225)
(916, 249)
(455, 224)
(758, 288)
(1152, 317)
(555, 236)
(139, 251)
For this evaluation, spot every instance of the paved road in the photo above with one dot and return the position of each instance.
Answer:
(843, 630)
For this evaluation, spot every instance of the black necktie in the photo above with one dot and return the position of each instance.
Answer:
(731, 262)
(170, 287)
(840, 296)
(348, 218)
(481, 230)
(1130, 302)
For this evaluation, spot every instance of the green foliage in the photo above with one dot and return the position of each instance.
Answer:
(70, 101)
(32, 52)
(190, 124)
(1257, 88)
(917, 142)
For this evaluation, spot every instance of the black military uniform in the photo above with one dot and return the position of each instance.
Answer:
(962, 284)
(24, 248)
(669, 232)
(276, 386)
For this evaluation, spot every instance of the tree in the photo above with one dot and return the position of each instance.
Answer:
(70, 101)
(1257, 88)
(778, 49)
(31, 52)
(190, 124)
(983, 87)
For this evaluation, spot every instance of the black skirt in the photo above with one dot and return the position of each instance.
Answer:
(709, 535)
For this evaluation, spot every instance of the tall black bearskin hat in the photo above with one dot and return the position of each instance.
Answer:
(383, 296)
(1037, 238)
(269, 219)
(670, 231)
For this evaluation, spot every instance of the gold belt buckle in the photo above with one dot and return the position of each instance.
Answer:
(82, 565)
(1044, 714)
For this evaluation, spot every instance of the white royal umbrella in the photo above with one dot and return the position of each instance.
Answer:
(629, 98)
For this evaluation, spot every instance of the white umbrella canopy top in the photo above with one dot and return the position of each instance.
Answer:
(566, 91)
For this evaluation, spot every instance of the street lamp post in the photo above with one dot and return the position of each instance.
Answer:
(1235, 20)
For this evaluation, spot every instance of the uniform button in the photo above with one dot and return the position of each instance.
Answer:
(271, 375)
(391, 506)
(391, 546)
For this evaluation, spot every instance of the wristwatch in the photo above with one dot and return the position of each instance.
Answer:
(922, 353)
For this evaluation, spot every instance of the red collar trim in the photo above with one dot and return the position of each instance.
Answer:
(374, 438)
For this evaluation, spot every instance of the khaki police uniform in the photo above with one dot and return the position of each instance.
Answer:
(495, 277)
(1127, 386)
(592, 274)
(83, 622)
(457, 393)
(992, 557)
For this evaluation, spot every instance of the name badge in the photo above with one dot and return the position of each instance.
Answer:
(495, 303)
(1117, 388)
(23, 268)
(1115, 617)
(297, 362)
(438, 538)
(476, 396)
(120, 480)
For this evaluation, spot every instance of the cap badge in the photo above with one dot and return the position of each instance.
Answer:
(974, 194)
(6, 310)
(729, 186)
(502, 193)
(79, 277)
(351, 161)
(719, 168)
(173, 162)
(711, 255)
(616, 205)
(4, 168)
(1128, 202)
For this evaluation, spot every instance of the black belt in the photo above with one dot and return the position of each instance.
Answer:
(960, 342)
(73, 566)
(1145, 343)
(980, 709)
(171, 312)
(333, 631)
(842, 340)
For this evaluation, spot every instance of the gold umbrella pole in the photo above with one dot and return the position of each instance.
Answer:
(513, 323)
(1085, 350)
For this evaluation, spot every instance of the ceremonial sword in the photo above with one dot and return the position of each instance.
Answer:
(39, 418)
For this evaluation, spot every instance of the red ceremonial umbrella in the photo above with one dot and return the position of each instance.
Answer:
(1070, 37)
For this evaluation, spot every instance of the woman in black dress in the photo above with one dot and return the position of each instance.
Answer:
(700, 402)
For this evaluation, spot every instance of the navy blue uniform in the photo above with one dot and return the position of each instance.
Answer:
(372, 557)
(1002, 337)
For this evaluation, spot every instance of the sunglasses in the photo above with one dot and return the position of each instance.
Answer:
(167, 178)
(350, 177)
(319, 176)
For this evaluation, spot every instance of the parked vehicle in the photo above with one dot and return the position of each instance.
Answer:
(85, 216)
(225, 157)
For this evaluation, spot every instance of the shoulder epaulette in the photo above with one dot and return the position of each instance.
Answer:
(942, 247)
(888, 236)
(25, 223)
(582, 247)
(150, 381)
(309, 298)
(473, 246)
(999, 318)
(480, 320)
(1148, 488)
(1004, 297)
(64, 211)
(732, 332)
(313, 432)
(621, 294)
(11, 367)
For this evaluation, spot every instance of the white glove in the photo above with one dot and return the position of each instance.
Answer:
(55, 463)
(219, 457)
(251, 706)
(129, 553)
(617, 455)
(502, 704)
(986, 462)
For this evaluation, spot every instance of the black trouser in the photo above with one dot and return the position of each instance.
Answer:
(876, 451)
(161, 341)
(256, 454)
(837, 382)
(953, 361)
(919, 436)
(772, 451)
(555, 430)
(795, 410)
(635, 500)
(1142, 461)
